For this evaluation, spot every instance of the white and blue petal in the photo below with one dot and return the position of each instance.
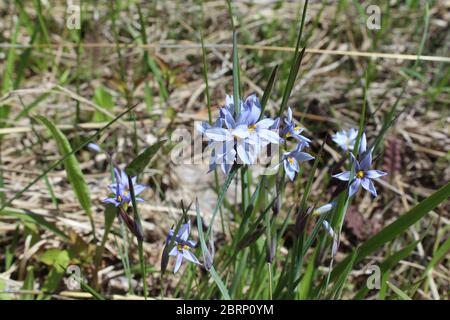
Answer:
(373, 174)
(269, 135)
(363, 143)
(265, 123)
(138, 188)
(178, 262)
(112, 201)
(368, 185)
(188, 255)
(366, 162)
(354, 187)
(328, 228)
(218, 134)
(245, 152)
(290, 172)
(174, 251)
(241, 131)
(303, 156)
(343, 176)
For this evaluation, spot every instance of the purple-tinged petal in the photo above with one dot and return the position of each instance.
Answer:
(111, 200)
(188, 255)
(253, 117)
(227, 118)
(303, 156)
(269, 135)
(124, 179)
(276, 124)
(218, 134)
(290, 172)
(265, 123)
(117, 176)
(138, 188)
(368, 185)
(178, 263)
(354, 160)
(289, 117)
(184, 231)
(202, 127)
(363, 143)
(302, 139)
(373, 174)
(366, 162)
(191, 243)
(354, 186)
(343, 176)
(328, 228)
(243, 151)
(174, 251)
(113, 188)
(241, 131)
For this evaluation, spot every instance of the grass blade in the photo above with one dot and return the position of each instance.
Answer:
(141, 161)
(396, 228)
(72, 167)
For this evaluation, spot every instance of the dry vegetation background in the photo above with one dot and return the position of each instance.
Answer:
(68, 79)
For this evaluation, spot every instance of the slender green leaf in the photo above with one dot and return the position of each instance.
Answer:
(401, 294)
(396, 228)
(72, 167)
(35, 218)
(138, 165)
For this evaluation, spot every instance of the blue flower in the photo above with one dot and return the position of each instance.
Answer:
(363, 174)
(345, 138)
(291, 161)
(183, 246)
(293, 130)
(121, 190)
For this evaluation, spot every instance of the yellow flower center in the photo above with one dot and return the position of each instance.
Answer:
(182, 247)
(297, 129)
(291, 160)
(252, 128)
(360, 174)
(119, 198)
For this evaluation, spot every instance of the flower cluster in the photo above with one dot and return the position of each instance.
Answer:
(183, 246)
(240, 134)
(291, 159)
